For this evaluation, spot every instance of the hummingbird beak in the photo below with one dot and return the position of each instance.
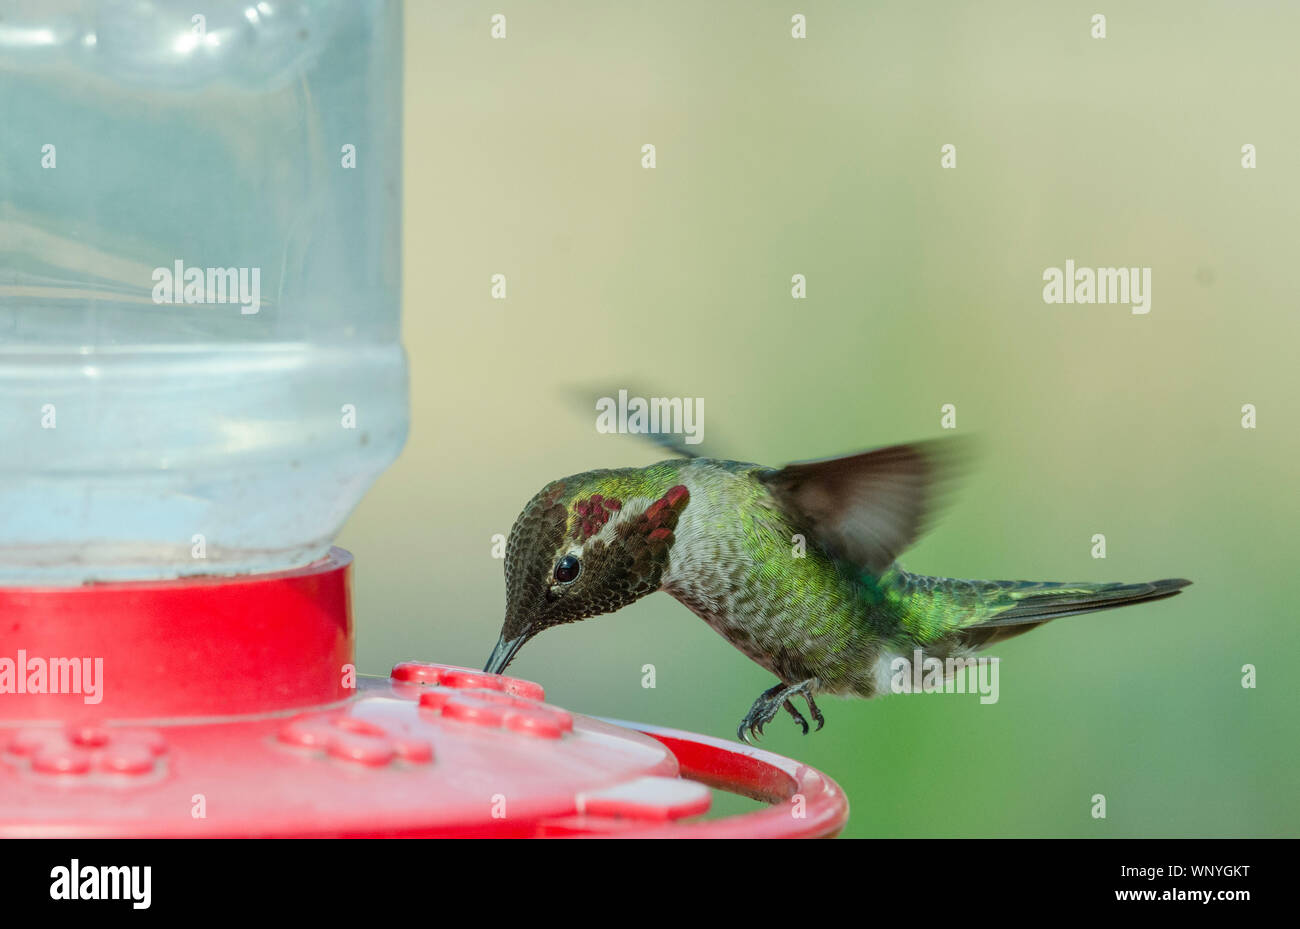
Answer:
(504, 653)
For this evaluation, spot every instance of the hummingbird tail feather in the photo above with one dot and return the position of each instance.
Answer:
(1037, 603)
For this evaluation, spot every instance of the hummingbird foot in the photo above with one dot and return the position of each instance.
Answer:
(798, 717)
(772, 701)
(817, 716)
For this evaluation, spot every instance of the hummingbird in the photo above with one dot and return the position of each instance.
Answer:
(795, 566)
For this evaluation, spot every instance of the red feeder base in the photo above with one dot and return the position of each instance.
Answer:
(231, 708)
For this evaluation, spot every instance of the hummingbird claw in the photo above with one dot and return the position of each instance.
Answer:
(760, 714)
(770, 702)
(817, 716)
(798, 717)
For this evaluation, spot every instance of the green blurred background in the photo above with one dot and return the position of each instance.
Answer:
(821, 156)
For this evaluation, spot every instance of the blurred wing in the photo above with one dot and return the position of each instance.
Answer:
(672, 442)
(867, 509)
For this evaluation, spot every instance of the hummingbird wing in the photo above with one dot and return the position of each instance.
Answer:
(673, 442)
(866, 509)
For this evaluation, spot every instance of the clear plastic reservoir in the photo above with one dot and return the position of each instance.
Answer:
(201, 369)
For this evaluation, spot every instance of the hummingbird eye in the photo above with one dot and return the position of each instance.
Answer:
(568, 569)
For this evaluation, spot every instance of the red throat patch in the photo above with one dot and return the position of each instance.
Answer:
(593, 513)
(660, 518)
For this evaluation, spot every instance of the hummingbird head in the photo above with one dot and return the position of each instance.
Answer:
(585, 545)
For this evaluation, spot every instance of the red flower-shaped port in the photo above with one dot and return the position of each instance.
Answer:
(83, 750)
(349, 738)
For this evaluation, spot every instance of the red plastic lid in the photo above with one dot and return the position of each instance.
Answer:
(189, 647)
